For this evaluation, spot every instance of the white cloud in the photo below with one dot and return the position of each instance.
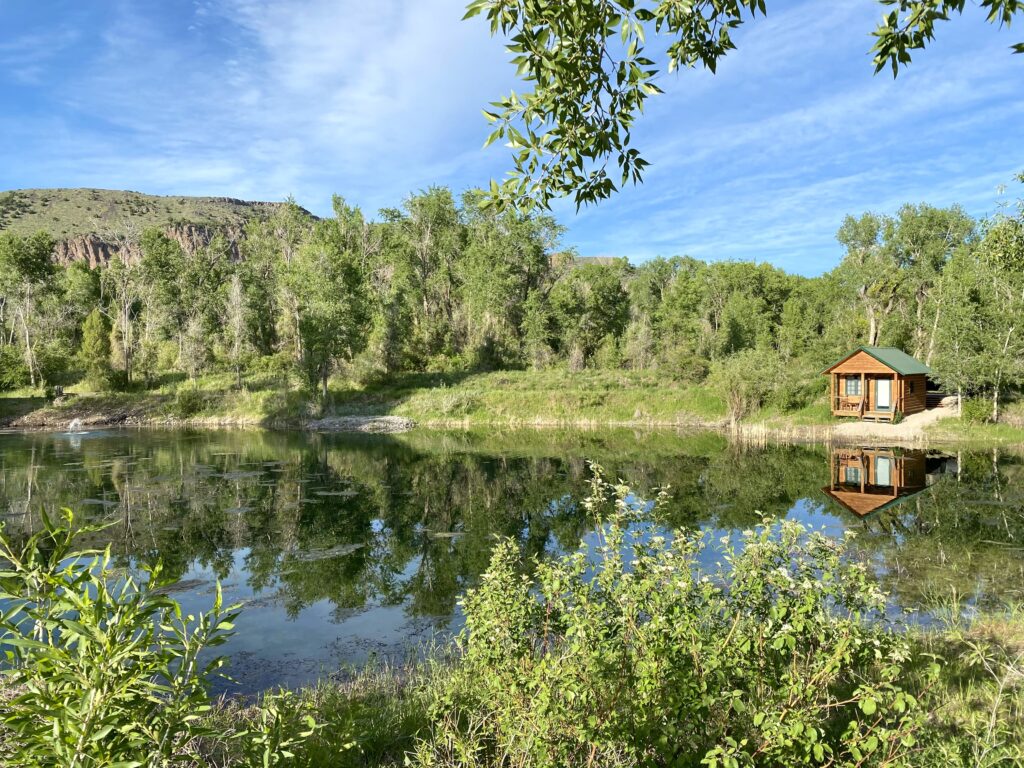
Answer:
(265, 98)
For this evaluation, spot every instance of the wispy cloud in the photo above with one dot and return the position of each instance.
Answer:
(266, 98)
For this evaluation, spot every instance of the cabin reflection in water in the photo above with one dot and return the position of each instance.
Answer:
(865, 480)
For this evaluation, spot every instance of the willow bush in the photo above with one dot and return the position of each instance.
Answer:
(103, 670)
(632, 652)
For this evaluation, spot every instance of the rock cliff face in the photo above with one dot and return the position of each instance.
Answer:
(87, 248)
(95, 251)
(83, 221)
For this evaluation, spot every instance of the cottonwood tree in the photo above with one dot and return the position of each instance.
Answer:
(979, 338)
(922, 239)
(870, 270)
(589, 71)
(1002, 257)
(27, 271)
(287, 229)
(426, 240)
(959, 347)
(505, 258)
(122, 291)
(326, 277)
(236, 327)
(589, 304)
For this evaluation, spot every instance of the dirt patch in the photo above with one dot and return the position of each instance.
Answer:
(89, 412)
(911, 430)
(370, 424)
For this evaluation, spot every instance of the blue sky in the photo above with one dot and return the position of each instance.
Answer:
(261, 99)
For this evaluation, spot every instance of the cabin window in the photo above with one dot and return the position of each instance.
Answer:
(911, 387)
(851, 385)
(852, 476)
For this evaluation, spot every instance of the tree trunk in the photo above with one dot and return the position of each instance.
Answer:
(931, 340)
(872, 328)
(28, 352)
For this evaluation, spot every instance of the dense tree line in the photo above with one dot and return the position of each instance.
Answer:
(447, 285)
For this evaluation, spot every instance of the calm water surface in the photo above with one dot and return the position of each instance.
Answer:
(342, 548)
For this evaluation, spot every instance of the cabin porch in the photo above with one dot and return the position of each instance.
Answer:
(876, 383)
(869, 396)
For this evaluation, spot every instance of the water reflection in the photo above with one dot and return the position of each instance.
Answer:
(866, 480)
(346, 546)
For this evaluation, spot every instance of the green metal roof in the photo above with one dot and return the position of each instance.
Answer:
(894, 358)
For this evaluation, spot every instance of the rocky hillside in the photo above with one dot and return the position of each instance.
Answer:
(93, 224)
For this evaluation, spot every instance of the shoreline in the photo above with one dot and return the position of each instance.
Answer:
(766, 431)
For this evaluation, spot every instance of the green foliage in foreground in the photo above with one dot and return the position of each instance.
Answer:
(635, 655)
(107, 671)
(629, 652)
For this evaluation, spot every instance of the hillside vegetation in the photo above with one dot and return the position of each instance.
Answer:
(444, 310)
(69, 213)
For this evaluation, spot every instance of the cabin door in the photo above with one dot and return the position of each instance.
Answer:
(883, 394)
(883, 470)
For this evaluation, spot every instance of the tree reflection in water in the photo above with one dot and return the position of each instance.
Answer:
(344, 546)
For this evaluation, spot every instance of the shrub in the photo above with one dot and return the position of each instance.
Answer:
(107, 668)
(188, 401)
(745, 379)
(94, 353)
(52, 359)
(976, 410)
(452, 404)
(13, 371)
(796, 386)
(632, 654)
(278, 365)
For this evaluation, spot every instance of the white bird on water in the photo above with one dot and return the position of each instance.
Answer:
(75, 425)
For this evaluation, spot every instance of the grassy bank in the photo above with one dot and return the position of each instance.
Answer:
(377, 716)
(381, 716)
(507, 399)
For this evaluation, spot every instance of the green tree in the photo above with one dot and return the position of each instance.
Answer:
(588, 74)
(95, 350)
(1002, 255)
(588, 304)
(326, 275)
(27, 271)
(123, 288)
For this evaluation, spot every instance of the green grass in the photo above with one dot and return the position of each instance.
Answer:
(969, 432)
(515, 398)
(554, 397)
(813, 414)
(501, 399)
(68, 213)
(263, 400)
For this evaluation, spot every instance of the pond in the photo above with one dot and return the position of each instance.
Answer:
(343, 547)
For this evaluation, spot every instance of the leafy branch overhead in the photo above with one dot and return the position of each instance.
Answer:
(589, 75)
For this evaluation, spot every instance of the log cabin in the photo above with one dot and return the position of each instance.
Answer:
(876, 383)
